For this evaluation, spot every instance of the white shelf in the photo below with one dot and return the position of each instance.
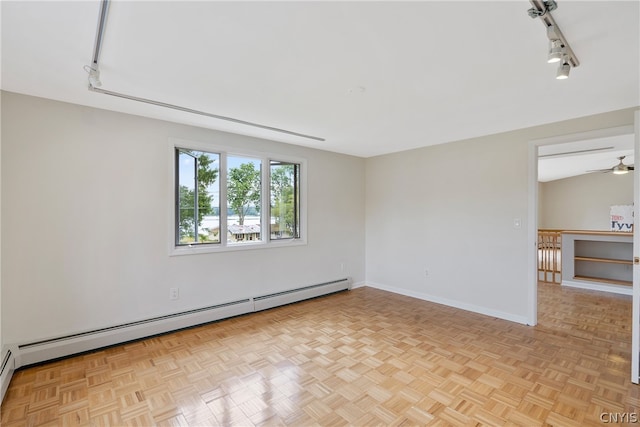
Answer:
(598, 260)
(605, 260)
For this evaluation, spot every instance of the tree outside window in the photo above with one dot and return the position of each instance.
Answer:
(285, 200)
(243, 200)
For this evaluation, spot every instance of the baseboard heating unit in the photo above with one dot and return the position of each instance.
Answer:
(287, 297)
(36, 352)
(7, 367)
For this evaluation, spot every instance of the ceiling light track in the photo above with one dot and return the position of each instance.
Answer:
(102, 24)
(94, 85)
(571, 153)
(559, 49)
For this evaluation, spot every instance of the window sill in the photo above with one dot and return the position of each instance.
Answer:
(234, 247)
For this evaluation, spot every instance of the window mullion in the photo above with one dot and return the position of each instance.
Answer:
(223, 199)
(176, 178)
(296, 212)
(196, 205)
(265, 199)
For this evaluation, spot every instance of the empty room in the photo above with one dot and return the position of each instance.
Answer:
(315, 213)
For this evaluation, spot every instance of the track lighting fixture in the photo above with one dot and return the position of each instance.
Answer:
(555, 51)
(563, 69)
(559, 49)
(94, 75)
(94, 78)
(537, 12)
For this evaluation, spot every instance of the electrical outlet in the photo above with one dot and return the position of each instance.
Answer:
(174, 294)
(426, 273)
(342, 266)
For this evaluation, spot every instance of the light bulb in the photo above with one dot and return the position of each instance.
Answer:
(563, 70)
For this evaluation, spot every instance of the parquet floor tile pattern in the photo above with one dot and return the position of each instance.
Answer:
(363, 358)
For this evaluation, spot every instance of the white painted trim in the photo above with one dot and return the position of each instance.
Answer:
(451, 303)
(532, 236)
(602, 287)
(359, 285)
(231, 247)
(635, 310)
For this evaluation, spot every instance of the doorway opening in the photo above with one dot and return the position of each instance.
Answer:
(567, 159)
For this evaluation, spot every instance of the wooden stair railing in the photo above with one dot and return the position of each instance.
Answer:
(549, 256)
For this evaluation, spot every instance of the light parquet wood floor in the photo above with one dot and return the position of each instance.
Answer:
(364, 357)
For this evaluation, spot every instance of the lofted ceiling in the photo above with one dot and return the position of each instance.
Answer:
(570, 159)
(369, 78)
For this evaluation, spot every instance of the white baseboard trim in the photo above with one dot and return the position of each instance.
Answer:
(451, 303)
(359, 285)
(602, 287)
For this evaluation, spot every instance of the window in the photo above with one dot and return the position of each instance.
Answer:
(198, 204)
(244, 185)
(285, 200)
(226, 201)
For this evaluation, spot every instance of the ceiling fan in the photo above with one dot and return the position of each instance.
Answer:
(618, 169)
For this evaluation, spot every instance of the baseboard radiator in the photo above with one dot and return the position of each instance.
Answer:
(287, 297)
(7, 366)
(40, 351)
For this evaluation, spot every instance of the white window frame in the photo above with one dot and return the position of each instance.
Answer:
(265, 231)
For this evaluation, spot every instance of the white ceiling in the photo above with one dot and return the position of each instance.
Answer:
(369, 77)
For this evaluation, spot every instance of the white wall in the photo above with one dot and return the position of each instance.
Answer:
(583, 202)
(86, 212)
(86, 198)
(451, 209)
(1, 335)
